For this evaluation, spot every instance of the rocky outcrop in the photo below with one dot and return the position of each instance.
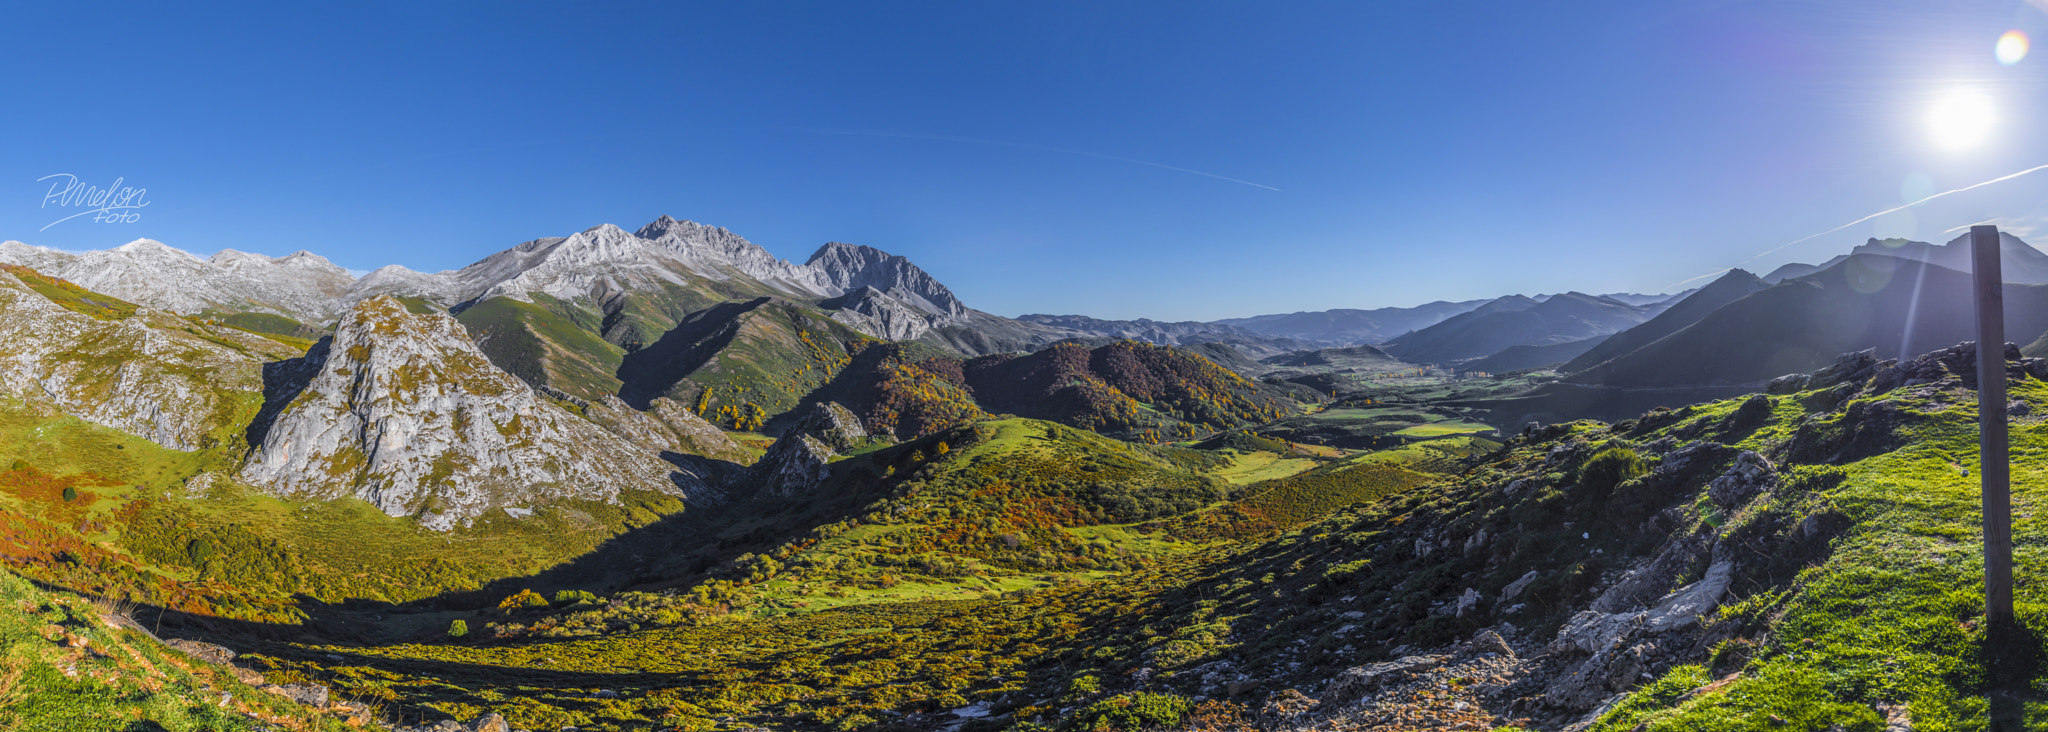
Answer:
(794, 465)
(870, 311)
(834, 425)
(1620, 647)
(403, 411)
(1750, 475)
(665, 427)
(153, 375)
(799, 460)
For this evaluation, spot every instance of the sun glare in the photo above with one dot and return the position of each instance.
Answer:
(1960, 119)
(2011, 47)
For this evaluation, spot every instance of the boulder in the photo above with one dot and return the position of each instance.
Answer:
(1591, 631)
(1683, 607)
(1485, 642)
(1359, 682)
(312, 695)
(1467, 602)
(1515, 588)
(207, 652)
(1750, 475)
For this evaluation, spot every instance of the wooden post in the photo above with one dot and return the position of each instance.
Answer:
(1993, 467)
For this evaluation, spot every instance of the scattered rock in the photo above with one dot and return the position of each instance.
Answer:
(1288, 704)
(1485, 642)
(490, 723)
(312, 695)
(1683, 607)
(1750, 475)
(1476, 542)
(207, 652)
(1355, 683)
(1467, 601)
(1515, 588)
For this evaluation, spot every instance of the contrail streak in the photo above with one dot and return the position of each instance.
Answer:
(1999, 179)
(1804, 239)
(1043, 148)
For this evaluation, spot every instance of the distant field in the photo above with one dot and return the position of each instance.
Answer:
(1251, 467)
(1441, 429)
(1367, 414)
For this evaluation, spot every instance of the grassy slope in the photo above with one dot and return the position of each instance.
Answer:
(65, 668)
(72, 297)
(1894, 613)
(1128, 389)
(546, 343)
(269, 325)
(916, 601)
(755, 360)
(135, 531)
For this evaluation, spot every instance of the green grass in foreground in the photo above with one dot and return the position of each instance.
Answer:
(65, 668)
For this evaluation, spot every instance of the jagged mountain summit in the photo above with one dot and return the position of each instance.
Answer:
(640, 282)
(401, 410)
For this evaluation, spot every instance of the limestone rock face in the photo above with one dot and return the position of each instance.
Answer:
(402, 410)
(798, 461)
(665, 427)
(834, 425)
(878, 293)
(151, 375)
(794, 465)
(711, 250)
(870, 311)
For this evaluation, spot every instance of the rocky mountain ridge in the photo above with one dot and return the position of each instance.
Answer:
(401, 410)
(881, 294)
(149, 374)
(300, 285)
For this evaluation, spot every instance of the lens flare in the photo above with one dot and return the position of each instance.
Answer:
(2011, 47)
(1960, 119)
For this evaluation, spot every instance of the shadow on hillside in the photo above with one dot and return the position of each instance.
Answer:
(1561, 402)
(282, 382)
(650, 372)
(677, 550)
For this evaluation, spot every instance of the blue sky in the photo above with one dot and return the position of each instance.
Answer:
(1166, 160)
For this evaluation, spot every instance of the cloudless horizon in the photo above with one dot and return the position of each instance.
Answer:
(1169, 161)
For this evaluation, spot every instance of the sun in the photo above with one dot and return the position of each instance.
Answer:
(1961, 119)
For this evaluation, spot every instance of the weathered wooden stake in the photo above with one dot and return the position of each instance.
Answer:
(1992, 457)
